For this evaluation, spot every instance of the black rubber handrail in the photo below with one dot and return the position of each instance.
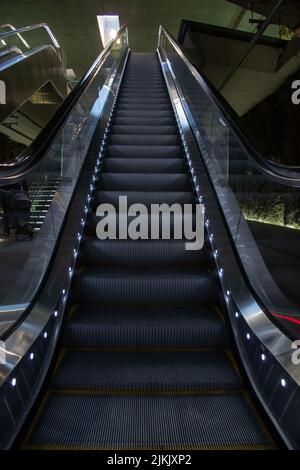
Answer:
(282, 174)
(32, 157)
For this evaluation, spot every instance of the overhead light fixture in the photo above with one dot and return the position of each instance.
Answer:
(109, 25)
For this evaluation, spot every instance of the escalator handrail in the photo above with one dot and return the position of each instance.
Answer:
(26, 29)
(34, 154)
(13, 28)
(281, 174)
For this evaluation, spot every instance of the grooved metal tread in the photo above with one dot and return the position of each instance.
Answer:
(95, 252)
(142, 165)
(125, 285)
(144, 151)
(88, 421)
(144, 197)
(145, 327)
(147, 371)
(145, 181)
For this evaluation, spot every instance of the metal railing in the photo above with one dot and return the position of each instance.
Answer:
(13, 31)
(287, 175)
(34, 154)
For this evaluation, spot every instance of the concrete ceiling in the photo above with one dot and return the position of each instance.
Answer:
(75, 26)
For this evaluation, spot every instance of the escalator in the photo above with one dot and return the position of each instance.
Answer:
(33, 74)
(140, 343)
(146, 359)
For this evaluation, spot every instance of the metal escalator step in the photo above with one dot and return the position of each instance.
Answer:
(138, 112)
(143, 100)
(145, 371)
(148, 79)
(147, 139)
(146, 220)
(137, 286)
(87, 421)
(144, 121)
(145, 181)
(143, 130)
(144, 151)
(141, 95)
(144, 107)
(144, 165)
(143, 87)
(145, 327)
(95, 252)
(144, 197)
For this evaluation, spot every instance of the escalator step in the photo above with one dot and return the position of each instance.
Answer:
(144, 151)
(145, 181)
(144, 107)
(144, 197)
(144, 121)
(141, 113)
(142, 100)
(95, 252)
(143, 130)
(143, 165)
(148, 139)
(135, 286)
(138, 94)
(145, 371)
(87, 421)
(147, 221)
(134, 87)
(145, 327)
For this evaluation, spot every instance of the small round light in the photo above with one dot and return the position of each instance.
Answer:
(283, 382)
(236, 314)
(221, 272)
(211, 237)
(216, 252)
(31, 356)
(79, 236)
(45, 335)
(63, 291)
(228, 293)
(248, 335)
(263, 357)
(55, 313)
(14, 382)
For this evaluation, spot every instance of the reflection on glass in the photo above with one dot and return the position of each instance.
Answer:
(29, 230)
(262, 215)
